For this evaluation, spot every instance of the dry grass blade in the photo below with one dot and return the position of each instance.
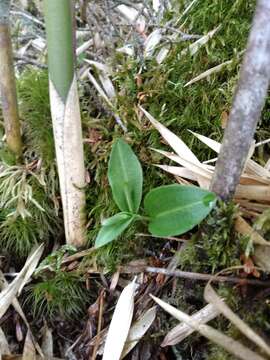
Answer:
(214, 145)
(120, 324)
(4, 348)
(242, 227)
(261, 257)
(193, 48)
(182, 331)
(47, 343)
(29, 352)
(179, 171)
(257, 169)
(196, 168)
(233, 347)
(17, 307)
(174, 141)
(9, 293)
(253, 192)
(209, 72)
(211, 296)
(99, 89)
(138, 329)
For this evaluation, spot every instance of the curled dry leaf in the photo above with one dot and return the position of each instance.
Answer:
(233, 347)
(182, 331)
(120, 323)
(193, 48)
(9, 293)
(243, 228)
(47, 342)
(212, 297)
(209, 72)
(138, 329)
(174, 141)
(29, 352)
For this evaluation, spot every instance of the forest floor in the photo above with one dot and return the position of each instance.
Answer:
(148, 54)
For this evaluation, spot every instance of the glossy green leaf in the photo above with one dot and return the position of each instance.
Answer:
(125, 177)
(175, 209)
(113, 227)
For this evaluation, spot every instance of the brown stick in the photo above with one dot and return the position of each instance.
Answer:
(205, 277)
(247, 105)
(8, 85)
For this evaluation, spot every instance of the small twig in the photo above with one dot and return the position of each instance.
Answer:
(162, 237)
(204, 277)
(100, 316)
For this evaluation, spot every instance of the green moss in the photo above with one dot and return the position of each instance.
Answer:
(216, 246)
(198, 107)
(63, 294)
(34, 103)
(28, 214)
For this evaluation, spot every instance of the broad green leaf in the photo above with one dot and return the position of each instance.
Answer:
(175, 209)
(113, 227)
(125, 177)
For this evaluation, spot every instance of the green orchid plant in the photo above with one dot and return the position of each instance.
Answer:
(169, 210)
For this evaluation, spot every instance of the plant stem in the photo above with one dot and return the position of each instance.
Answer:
(8, 84)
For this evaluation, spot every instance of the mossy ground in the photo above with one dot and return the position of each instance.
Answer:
(199, 107)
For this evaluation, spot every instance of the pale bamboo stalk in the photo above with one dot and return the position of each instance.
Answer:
(66, 118)
(8, 84)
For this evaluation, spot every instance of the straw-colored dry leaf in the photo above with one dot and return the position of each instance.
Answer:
(81, 49)
(107, 85)
(179, 171)
(182, 331)
(261, 257)
(8, 294)
(267, 165)
(193, 48)
(120, 323)
(233, 347)
(47, 343)
(212, 297)
(174, 141)
(243, 228)
(209, 72)
(257, 169)
(151, 42)
(156, 5)
(138, 329)
(18, 308)
(99, 66)
(214, 145)
(29, 351)
(260, 193)
(163, 52)
(130, 13)
(198, 169)
(99, 89)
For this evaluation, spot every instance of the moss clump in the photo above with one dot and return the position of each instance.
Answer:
(34, 105)
(64, 294)
(27, 214)
(216, 245)
(58, 291)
